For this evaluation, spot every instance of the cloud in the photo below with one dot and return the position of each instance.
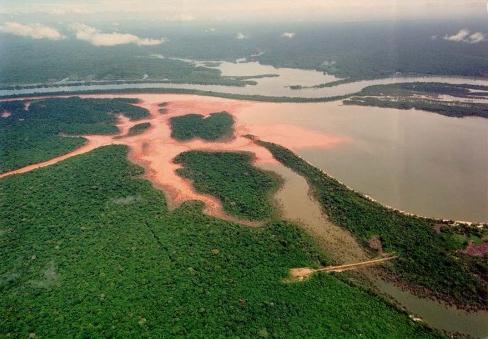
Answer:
(34, 31)
(464, 35)
(459, 36)
(288, 35)
(97, 38)
(241, 36)
(476, 37)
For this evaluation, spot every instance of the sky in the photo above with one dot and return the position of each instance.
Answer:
(103, 22)
(221, 11)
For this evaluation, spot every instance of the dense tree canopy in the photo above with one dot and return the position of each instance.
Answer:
(90, 250)
(215, 126)
(43, 130)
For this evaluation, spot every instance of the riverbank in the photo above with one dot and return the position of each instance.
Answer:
(422, 260)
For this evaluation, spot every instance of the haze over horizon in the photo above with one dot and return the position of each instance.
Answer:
(247, 11)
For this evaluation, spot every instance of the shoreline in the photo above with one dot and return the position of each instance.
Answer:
(449, 222)
(335, 90)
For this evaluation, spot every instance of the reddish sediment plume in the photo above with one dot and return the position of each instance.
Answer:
(155, 149)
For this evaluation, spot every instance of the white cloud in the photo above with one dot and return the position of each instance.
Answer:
(97, 38)
(241, 36)
(34, 31)
(476, 37)
(464, 35)
(288, 35)
(459, 36)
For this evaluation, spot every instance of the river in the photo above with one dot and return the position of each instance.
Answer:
(277, 86)
(298, 205)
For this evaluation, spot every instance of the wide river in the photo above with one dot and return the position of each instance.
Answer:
(416, 161)
(277, 86)
(299, 206)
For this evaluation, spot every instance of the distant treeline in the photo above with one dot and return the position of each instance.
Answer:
(412, 96)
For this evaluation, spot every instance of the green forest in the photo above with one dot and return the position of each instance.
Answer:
(89, 249)
(405, 96)
(216, 126)
(426, 258)
(50, 127)
(429, 88)
(360, 50)
(243, 189)
(139, 128)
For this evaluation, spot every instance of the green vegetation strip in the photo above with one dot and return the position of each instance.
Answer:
(262, 98)
(402, 89)
(90, 250)
(139, 128)
(426, 258)
(215, 126)
(243, 189)
(405, 96)
(35, 135)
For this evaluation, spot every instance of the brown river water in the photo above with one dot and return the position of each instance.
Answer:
(419, 162)
(297, 205)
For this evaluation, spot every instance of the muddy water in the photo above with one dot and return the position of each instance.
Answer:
(297, 205)
(438, 315)
(377, 151)
(420, 162)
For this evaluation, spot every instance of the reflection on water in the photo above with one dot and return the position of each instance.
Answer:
(420, 162)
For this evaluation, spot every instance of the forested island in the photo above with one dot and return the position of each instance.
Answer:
(243, 189)
(425, 96)
(216, 126)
